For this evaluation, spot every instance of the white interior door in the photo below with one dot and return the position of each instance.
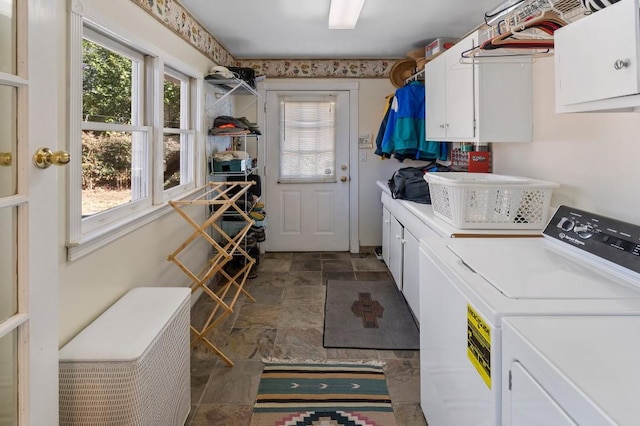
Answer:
(307, 170)
(28, 213)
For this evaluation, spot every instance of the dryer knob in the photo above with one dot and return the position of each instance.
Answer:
(584, 231)
(565, 224)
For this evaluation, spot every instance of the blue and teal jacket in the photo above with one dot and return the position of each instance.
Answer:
(404, 136)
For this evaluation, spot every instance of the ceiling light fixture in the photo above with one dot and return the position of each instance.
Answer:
(343, 14)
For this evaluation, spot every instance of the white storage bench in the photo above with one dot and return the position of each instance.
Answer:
(131, 365)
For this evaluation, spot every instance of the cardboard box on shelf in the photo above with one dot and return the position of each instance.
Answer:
(438, 45)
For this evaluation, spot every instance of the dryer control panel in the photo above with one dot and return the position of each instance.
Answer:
(610, 239)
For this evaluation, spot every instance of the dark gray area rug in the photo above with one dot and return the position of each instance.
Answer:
(368, 315)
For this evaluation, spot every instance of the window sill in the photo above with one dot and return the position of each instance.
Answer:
(106, 235)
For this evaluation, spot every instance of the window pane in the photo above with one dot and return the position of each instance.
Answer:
(9, 264)
(172, 104)
(171, 161)
(178, 159)
(307, 140)
(106, 85)
(7, 36)
(9, 379)
(114, 170)
(8, 140)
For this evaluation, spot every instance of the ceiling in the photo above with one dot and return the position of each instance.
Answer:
(298, 29)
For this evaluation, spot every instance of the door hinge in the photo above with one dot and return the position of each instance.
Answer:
(264, 105)
(264, 171)
(510, 379)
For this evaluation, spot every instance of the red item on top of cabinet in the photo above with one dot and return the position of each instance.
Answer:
(471, 161)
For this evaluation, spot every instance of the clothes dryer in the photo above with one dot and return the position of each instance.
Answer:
(570, 370)
(586, 264)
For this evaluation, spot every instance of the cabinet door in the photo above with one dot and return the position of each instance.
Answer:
(386, 226)
(434, 85)
(395, 251)
(530, 404)
(459, 92)
(411, 272)
(597, 57)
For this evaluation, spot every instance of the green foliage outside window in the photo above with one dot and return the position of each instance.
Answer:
(106, 85)
(107, 92)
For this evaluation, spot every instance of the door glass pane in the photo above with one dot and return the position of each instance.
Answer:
(307, 140)
(7, 36)
(8, 264)
(9, 379)
(8, 121)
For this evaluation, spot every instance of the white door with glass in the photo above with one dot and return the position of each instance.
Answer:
(29, 88)
(307, 171)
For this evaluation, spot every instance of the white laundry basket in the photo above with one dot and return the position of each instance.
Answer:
(489, 201)
(130, 366)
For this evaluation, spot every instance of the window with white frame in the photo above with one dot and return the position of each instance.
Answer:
(132, 124)
(307, 139)
(115, 141)
(178, 134)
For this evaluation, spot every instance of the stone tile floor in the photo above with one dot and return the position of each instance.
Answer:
(286, 322)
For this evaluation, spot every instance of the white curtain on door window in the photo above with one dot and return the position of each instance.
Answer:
(307, 139)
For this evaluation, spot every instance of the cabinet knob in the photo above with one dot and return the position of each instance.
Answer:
(442, 126)
(620, 64)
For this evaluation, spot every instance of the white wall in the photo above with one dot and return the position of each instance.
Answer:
(91, 284)
(593, 156)
(372, 102)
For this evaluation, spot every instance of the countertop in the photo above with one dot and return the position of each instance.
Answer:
(424, 213)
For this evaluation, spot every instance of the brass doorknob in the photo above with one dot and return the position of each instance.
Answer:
(343, 179)
(44, 157)
(5, 158)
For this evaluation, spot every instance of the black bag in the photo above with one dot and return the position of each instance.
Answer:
(246, 74)
(408, 183)
(255, 189)
(398, 182)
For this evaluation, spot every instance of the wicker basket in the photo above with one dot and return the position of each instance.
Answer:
(416, 54)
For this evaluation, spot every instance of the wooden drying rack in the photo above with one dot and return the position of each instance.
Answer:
(219, 198)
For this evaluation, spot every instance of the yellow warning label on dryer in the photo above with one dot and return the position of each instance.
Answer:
(479, 344)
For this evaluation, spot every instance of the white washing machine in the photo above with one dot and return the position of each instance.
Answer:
(585, 265)
(571, 370)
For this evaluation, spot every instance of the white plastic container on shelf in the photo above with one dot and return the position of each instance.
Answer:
(489, 201)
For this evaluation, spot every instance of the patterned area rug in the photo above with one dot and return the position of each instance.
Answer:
(322, 395)
(368, 315)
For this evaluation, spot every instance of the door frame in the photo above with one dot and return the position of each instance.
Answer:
(35, 200)
(352, 87)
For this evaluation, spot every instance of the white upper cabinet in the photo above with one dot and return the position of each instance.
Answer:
(596, 61)
(480, 99)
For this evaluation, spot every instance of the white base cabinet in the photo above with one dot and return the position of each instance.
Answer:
(596, 61)
(396, 250)
(386, 234)
(401, 234)
(411, 272)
